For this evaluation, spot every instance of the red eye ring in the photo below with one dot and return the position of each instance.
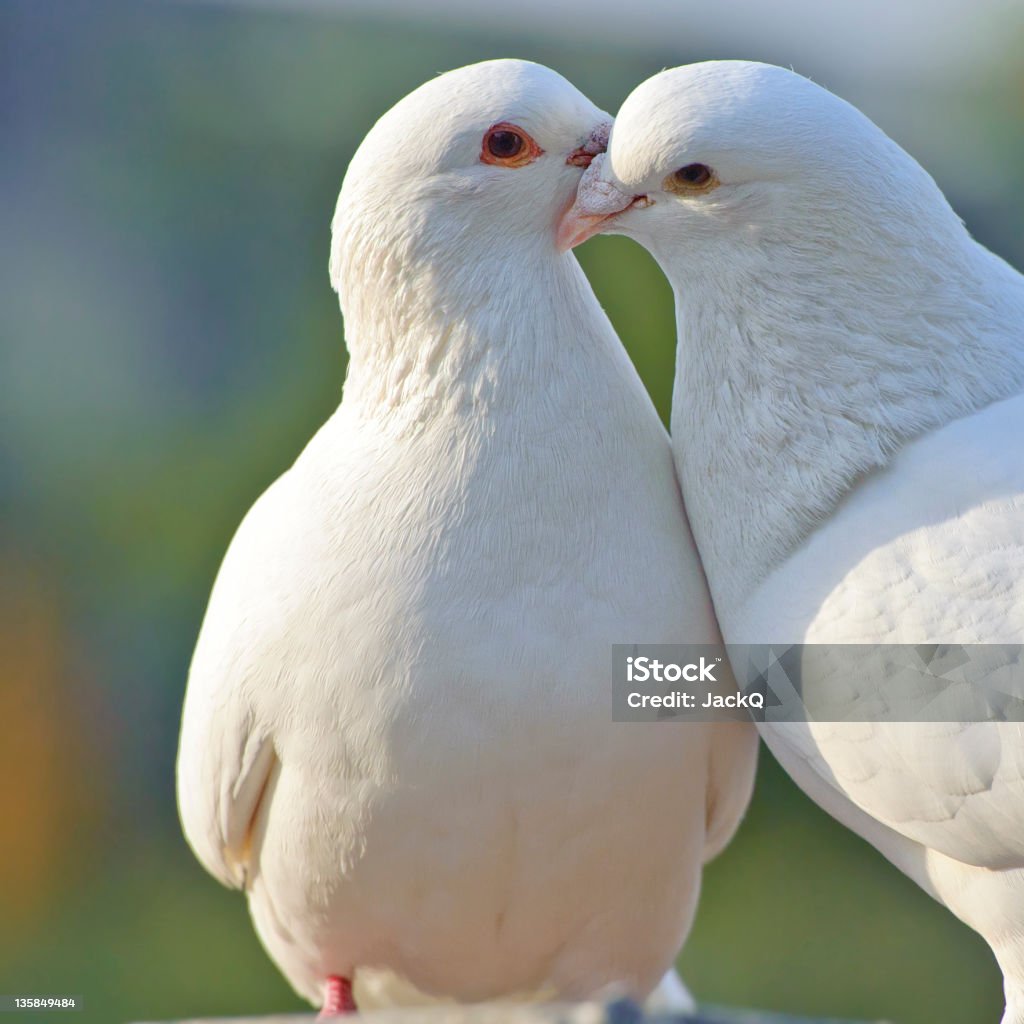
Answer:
(507, 145)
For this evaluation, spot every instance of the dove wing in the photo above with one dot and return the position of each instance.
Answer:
(929, 551)
(226, 756)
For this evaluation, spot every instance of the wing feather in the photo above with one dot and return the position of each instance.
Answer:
(930, 551)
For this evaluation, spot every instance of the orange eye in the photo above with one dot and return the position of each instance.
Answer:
(690, 180)
(507, 145)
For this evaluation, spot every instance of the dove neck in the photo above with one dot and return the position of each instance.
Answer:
(470, 335)
(801, 369)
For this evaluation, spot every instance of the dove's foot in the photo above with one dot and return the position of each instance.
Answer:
(338, 998)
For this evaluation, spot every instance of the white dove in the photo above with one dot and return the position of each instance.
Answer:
(397, 736)
(848, 427)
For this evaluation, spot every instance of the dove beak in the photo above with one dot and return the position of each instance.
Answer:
(576, 226)
(578, 223)
(581, 157)
(597, 203)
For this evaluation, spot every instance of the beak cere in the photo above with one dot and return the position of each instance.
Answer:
(596, 143)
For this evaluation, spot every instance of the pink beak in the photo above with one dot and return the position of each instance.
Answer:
(597, 202)
(576, 226)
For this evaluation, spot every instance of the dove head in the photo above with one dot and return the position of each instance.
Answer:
(724, 155)
(463, 178)
(830, 304)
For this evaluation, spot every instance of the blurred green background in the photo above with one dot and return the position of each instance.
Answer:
(169, 340)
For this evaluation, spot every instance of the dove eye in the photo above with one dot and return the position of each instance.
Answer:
(504, 145)
(507, 145)
(691, 179)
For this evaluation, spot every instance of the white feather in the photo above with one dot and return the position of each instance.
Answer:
(848, 425)
(416, 620)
